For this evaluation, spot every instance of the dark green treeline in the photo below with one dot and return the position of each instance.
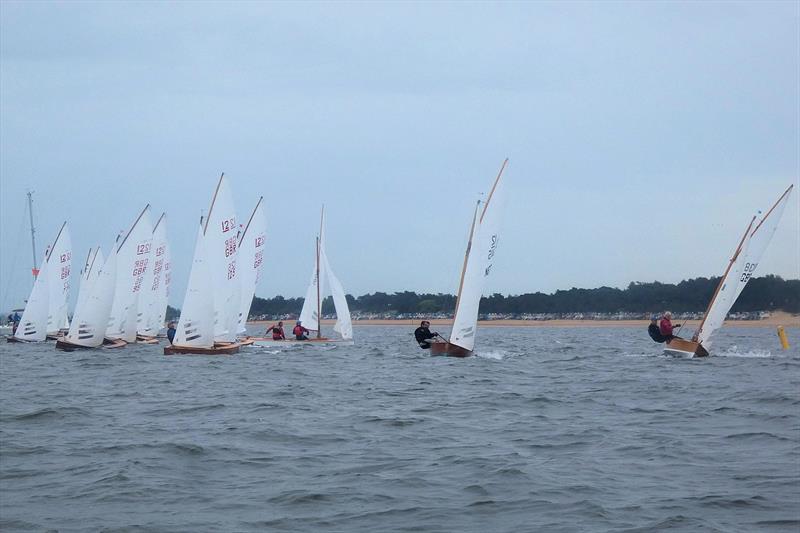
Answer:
(769, 293)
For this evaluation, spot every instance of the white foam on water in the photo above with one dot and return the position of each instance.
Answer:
(497, 356)
(733, 351)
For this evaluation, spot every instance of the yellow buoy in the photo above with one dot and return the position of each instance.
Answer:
(783, 338)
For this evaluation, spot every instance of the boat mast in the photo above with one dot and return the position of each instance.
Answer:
(319, 300)
(494, 186)
(722, 280)
(33, 234)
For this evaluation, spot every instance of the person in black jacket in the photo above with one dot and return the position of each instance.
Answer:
(171, 332)
(423, 335)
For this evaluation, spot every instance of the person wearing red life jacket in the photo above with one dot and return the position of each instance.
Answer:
(300, 332)
(665, 327)
(277, 332)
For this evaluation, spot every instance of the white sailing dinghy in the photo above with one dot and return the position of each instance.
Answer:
(740, 270)
(210, 311)
(46, 309)
(155, 288)
(251, 260)
(133, 258)
(90, 320)
(322, 276)
(478, 261)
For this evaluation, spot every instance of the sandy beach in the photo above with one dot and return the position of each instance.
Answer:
(774, 320)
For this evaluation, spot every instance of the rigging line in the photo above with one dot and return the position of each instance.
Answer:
(14, 259)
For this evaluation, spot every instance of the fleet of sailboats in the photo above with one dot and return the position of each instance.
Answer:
(122, 297)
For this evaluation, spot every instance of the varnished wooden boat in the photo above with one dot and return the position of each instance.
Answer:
(146, 339)
(449, 350)
(684, 348)
(218, 349)
(67, 346)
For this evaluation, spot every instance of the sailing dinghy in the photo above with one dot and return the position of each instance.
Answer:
(46, 309)
(322, 276)
(478, 261)
(210, 311)
(740, 270)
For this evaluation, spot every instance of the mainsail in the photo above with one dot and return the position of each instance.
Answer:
(33, 324)
(478, 261)
(221, 241)
(251, 259)
(59, 266)
(344, 325)
(196, 324)
(740, 270)
(155, 287)
(133, 257)
(92, 312)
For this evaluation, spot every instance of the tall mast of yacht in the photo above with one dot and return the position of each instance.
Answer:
(34, 270)
(319, 300)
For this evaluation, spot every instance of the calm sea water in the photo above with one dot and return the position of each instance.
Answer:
(548, 429)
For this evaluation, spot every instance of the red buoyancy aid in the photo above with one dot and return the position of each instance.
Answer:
(298, 330)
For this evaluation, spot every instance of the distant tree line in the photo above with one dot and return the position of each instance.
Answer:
(768, 293)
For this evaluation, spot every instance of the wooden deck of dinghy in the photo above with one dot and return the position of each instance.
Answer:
(146, 339)
(218, 349)
(449, 350)
(692, 348)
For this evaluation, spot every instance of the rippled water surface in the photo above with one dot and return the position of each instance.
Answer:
(548, 429)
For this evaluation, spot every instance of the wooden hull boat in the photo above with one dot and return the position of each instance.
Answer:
(449, 350)
(683, 348)
(218, 349)
(145, 339)
(67, 346)
(322, 341)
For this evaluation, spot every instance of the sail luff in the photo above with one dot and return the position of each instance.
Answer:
(251, 256)
(722, 280)
(771, 209)
(59, 260)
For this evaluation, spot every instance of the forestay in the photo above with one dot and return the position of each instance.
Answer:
(251, 259)
(133, 256)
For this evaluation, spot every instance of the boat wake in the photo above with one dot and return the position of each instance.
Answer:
(733, 351)
(497, 356)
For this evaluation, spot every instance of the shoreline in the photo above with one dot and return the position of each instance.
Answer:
(777, 319)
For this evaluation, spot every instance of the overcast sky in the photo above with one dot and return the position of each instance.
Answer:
(642, 136)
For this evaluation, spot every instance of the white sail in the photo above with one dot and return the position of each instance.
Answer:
(760, 238)
(59, 267)
(153, 295)
(33, 324)
(196, 324)
(740, 270)
(221, 238)
(251, 258)
(89, 274)
(477, 267)
(91, 315)
(344, 325)
(133, 256)
(309, 315)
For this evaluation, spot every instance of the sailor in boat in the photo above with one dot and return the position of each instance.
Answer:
(654, 331)
(665, 326)
(13, 321)
(171, 331)
(424, 335)
(300, 332)
(277, 332)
